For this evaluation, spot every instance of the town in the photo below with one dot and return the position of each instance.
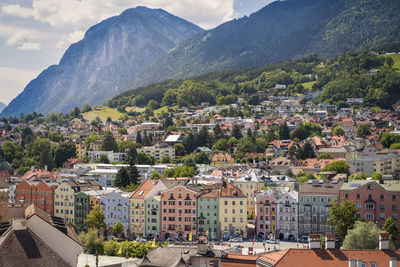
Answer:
(287, 172)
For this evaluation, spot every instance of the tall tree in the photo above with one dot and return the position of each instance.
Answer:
(118, 228)
(218, 133)
(236, 132)
(390, 226)
(63, 152)
(202, 137)
(109, 143)
(139, 138)
(284, 132)
(189, 143)
(95, 219)
(342, 217)
(363, 130)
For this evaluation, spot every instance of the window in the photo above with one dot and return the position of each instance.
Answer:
(382, 197)
(358, 196)
(346, 196)
(370, 187)
(369, 206)
(393, 197)
(369, 216)
(394, 207)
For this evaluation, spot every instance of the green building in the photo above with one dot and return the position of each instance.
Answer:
(81, 211)
(208, 215)
(315, 197)
(153, 208)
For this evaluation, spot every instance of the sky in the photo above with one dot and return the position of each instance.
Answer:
(34, 34)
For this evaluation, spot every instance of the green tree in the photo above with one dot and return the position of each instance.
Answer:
(358, 176)
(390, 227)
(132, 155)
(236, 132)
(122, 178)
(103, 159)
(338, 131)
(363, 130)
(377, 176)
(387, 139)
(54, 136)
(189, 143)
(284, 132)
(95, 219)
(342, 217)
(218, 133)
(139, 138)
(86, 108)
(111, 248)
(325, 156)
(92, 242)
(63, 152)
(363, 236)
(118, 229)
(339, 166)
(45, 159)
(109, 143)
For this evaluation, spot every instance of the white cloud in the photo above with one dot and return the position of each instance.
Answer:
(80, 14)
(73, 37)
(13, 81)
(23, 40)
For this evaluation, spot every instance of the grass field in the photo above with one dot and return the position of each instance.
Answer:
(308, 85)
(165, 109)
(136, 109)
(396, 59)
(103, 114)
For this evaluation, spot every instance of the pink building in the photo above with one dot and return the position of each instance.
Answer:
(179, 211)
(375, 201)
(265, 214)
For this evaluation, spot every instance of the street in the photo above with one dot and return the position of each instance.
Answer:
(259, 248)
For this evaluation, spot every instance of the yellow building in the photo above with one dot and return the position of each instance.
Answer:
(96, 145)
(158, 151)
(249, 184)
(80, 150)
(232, 211)
(64, 202)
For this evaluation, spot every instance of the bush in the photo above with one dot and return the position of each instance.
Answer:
(111, 248)
(91, 242)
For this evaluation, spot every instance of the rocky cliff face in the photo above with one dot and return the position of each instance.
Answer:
(103, 63)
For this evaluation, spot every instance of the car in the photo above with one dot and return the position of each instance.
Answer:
(236, 239)
(272, 241)
(140, 239)
(303, 239)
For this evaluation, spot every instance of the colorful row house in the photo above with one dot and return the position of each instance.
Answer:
(39, 193)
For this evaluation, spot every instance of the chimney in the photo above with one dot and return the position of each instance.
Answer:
(32, 168)
(314, 241)
(393, 262)
(383, 241)
(202, 245)
(45, 168)
(330, 241)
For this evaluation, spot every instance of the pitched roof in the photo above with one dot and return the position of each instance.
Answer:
(24, 248)
(144, 189)
(53, 221)
(229, 190)
(326, 187)
(327, 257)
(168, 256)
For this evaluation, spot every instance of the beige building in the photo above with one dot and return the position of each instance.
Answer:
(249, 184)
(232, 211)
(64, 202)
(80, 150)
(148, 189)
(158, 151)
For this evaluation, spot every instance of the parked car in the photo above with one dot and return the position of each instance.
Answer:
(236, 239)
(303, 239)
(140, 239)
(272, 241)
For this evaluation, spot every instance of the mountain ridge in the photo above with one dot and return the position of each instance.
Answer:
(103, 62)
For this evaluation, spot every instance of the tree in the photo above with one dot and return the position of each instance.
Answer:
(63, 152)
(363, 130)
(54, 136)
(45, 159)
(103, 159)
(109, 143)
(342, 217)
(122, 178)
(189, 142)
(339, 166)
(139, 138)
(86, 108)
(218, 133)
(338, 131)
(284, 132)
(387, 139)
(377, 176)
(390, 226)
(132, 155)
(325, 156)
(95, 219)
(363, 236)
(75, 113)
(236, 132)
(92, 242)
(118, 229)
(358, 176)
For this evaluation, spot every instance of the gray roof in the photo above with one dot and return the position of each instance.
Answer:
(168, 256)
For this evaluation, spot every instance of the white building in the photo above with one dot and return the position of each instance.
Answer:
(116, 208)
(286, 219)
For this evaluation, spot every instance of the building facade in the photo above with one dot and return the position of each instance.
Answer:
(315, 197)
(39, 193)
(116, 209)
(81, 211)
(265, 214)
(153, 213)
(208, 215)
(249, 184)
(158, 151)
(375, 201)
(64, 202)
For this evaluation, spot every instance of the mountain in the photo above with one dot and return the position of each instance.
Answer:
(279, 31)
(103, 63)
(2, 106)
